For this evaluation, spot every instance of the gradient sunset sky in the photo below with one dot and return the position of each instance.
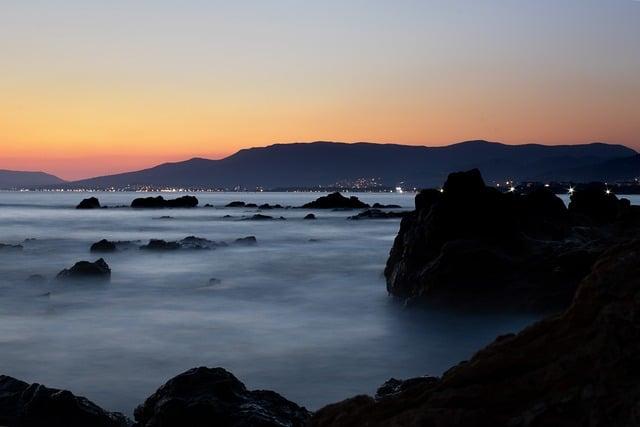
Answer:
(95, 87)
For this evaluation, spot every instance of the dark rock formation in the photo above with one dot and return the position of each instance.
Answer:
(6, 247)
(472, 246)
(160, 245)
(103, 246)
(336, 201)
(310, 216)
(98, 270)
(246, 241)
(381, 206)
(579, 368)
(207, 397)
(377, 214)
(268, 206)
(34, 405)
(597, 204)
(193, 242)
(250, 205)
(160, 202)
(90, 203)
(261, 217)
(236, 204)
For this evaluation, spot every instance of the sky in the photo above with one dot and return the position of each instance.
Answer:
(91, 87)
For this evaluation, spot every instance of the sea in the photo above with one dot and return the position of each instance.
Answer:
(304, 312)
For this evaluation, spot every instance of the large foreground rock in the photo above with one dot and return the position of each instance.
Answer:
(576, 369)
(204, 397)
(98, 270)
(473, 246)
(336, 201)
(160, 202)
(34, 405)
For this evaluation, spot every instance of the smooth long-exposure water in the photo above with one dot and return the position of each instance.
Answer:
(305, 312)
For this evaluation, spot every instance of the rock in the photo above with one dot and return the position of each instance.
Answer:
(208, 205)
(268, 206)
(103, 246)
(90, 203)
(250, 205)
(6, 247)
(213, 281)
(597, 204)
(246, 241)
(377, 214)
(336, 201)
(310, 216)
(34, 405)
(160, 245)
(98, 270)
(160, 202)
(472, 246)
(207, 397)
(575, 369)
(193, 242)
(259, 217)
(381, 206)
(236, 204)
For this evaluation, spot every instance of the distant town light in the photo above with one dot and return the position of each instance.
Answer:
(512, 189)
(571, 190)
(398, 189)
(608, 191)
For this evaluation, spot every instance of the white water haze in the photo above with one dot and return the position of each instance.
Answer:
(305, 312)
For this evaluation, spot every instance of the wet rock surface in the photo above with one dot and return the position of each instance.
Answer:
(34, 405)
(103, 246)
(89, 203)
(213, 396)
(472, 246)
(160, 202)
(336, 201)
(575, 369)
(246, 241)
(9, 247)
(377, 214)
(310, 216)
(98, 271)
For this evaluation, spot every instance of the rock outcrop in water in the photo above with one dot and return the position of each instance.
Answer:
(188, 243)
(98, 270)
(576, 369)
(89, 203)
(8, 247)
(336, 201)
(34, 405)
(472, 246)
(104, 246)
(204, 396)
(377, 214)
(160, 202)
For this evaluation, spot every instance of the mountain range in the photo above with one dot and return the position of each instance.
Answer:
(18, 179)
(314, 164)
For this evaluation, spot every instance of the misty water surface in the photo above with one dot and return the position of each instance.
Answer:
(305, 312)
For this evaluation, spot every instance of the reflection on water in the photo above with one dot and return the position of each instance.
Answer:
(305, 312)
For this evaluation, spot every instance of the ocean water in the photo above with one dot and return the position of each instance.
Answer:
(305, 312)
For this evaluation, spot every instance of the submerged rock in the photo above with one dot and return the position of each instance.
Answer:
(160, 245)
(160, 202)
(336, 201)
(103, 246)
(7, 247)
(90, 203)
(472, 246)
(213, 396)
(247, 241)
(98, 270)
(377, 214)
(36, 279)
(236, 204)
(261, 217)
(213, 281)
(310, 216)
(34, 405)
(268, 206)
(579, 368)
(381, 206)
(193, 242)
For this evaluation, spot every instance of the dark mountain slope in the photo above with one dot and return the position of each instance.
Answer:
(325, 163)
(17, 179)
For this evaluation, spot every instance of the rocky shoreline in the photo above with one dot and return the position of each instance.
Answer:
(465, 246)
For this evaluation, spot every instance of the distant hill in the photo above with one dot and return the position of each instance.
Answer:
(18, 179)
(325, 163)
(618, 169)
